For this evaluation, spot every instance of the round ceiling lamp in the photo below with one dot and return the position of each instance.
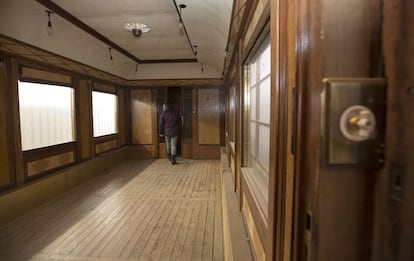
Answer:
(137, 29)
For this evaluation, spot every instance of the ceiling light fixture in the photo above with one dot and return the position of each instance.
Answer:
(110, 53)
(195, 50)
(182, 25)
(49, 23)
(137, 29)
(180, 19)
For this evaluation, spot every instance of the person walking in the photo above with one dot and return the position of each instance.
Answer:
(170, 123)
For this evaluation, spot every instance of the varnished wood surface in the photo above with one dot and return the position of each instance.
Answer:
(208, 116)
(141, 109)
(142, 210)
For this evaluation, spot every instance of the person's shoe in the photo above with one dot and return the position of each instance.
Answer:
(173, 162)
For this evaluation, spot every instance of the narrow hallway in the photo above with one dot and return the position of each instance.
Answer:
(141, 210)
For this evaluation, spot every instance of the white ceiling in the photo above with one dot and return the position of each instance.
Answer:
(207, 23)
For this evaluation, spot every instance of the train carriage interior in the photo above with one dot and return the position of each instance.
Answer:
(295, 139)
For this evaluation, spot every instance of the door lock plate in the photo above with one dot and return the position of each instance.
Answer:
(353, 121)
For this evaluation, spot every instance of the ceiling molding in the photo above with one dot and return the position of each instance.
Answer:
(86, 28)
(171, 61)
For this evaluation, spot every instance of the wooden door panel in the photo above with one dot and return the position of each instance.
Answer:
(141, 117)
(208, 116)
(206, 125)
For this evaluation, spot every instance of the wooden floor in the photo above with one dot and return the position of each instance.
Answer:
(142, 210)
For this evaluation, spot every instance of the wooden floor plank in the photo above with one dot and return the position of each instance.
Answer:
(197, 249)
(115, 239)
(122, 240)
(141, 210)
(183, 230)
(143, 234)
(164, 237)
(189, 241)
(208, 241)
(218, 217)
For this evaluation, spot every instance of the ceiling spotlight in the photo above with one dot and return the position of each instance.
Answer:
(49, 23)
(180, 20)
(137, 28)
(195, 50)
(110, 54)
(136, 32)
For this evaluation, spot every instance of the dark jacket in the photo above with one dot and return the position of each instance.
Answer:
(170, 123)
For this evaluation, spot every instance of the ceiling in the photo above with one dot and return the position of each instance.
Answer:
(206, 22)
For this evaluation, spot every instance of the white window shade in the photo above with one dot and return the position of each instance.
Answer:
(104, 106)
(46, 115)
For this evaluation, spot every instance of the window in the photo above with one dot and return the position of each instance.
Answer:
(257, 72)
(46, 115)
(232, 110)
(104, 106)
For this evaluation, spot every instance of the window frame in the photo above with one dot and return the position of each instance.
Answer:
(107, 142)
(32, 156)
(255, 191)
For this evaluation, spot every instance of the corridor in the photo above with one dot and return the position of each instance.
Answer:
(141, 210)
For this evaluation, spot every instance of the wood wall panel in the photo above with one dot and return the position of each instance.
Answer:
(50, 163)
(99, 86)
(84, 124)
(21, 201)
(394, 230)
(141, 113)
(45, 75)
(209, 116)
(258, 249)
(13, 72)
(142, 151)
(121, 117)
(206, 152)
(106, 146)
(4, 148)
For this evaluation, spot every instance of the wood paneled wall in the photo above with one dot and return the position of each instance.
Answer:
(18, 202)
(31, 73)
(84, 125)
(45, 164)
(143, 123)
(18, 168)
(207, 123)
(394, 223)
(208, 116)
(4, 137)
(141, 108)
(254, 17)
(122, 116)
